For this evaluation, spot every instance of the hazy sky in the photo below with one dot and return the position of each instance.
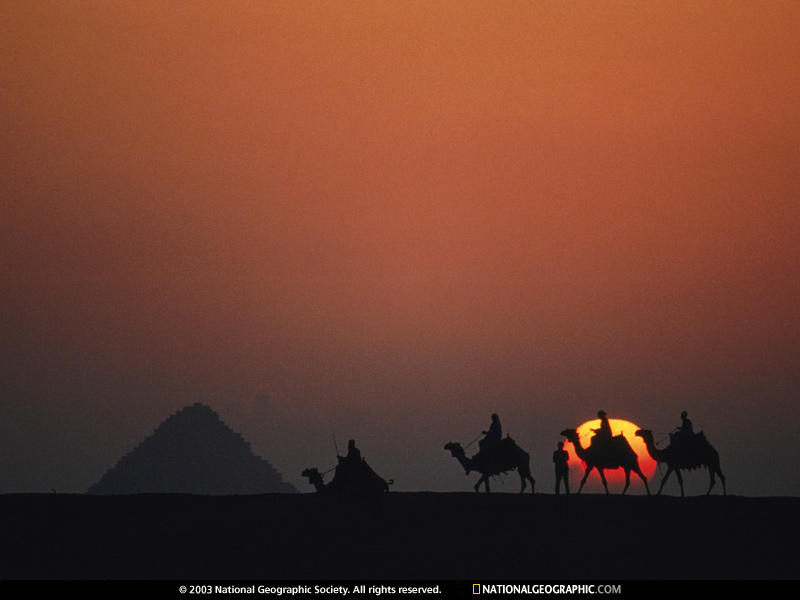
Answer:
(387, 220)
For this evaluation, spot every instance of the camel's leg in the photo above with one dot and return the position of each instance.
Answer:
(722, 479)
(640, 474)
(603, 479)
(664, 480)
(485, 480)
(711, 472)
(585, 477)
(680, 480)
(627, 482)
(526, 475)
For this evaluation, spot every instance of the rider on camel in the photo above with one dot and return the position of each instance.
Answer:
(603, 434)
(493, 436)
(685, 433)
(353, 454)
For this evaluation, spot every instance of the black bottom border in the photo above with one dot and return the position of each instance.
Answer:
(360, 590)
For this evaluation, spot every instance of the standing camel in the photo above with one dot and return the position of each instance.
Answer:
(613, 454)
(690, 454)
(507, 456)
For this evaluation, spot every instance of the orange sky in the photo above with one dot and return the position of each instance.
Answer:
(404, 216)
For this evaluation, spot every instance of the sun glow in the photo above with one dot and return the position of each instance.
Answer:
(618, 426)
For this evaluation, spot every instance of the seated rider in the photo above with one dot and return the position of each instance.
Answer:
(353, 457)
(685, 432)
(603, 434)
(493, 436)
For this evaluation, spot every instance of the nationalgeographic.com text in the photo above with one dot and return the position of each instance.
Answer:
(544, 588)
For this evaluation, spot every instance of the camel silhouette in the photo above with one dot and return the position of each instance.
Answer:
(506, 456)
(614, 454)
(693, 453)
(350, 480)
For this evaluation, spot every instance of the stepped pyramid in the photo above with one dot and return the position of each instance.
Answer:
(192, 452)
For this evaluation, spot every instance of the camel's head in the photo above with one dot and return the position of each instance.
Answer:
(643, 433)
(313, 475)
(454, 448)
(457, 452)
(570, 434)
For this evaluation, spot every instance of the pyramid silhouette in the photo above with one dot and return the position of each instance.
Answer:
(192, 452)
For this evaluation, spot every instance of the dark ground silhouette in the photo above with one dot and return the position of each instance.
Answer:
(449, 536)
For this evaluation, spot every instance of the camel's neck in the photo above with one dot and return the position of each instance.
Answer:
(579, 450)
(656, 454)
(464, 461)
(317, 483)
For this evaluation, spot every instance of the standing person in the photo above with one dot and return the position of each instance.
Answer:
(561, 460)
